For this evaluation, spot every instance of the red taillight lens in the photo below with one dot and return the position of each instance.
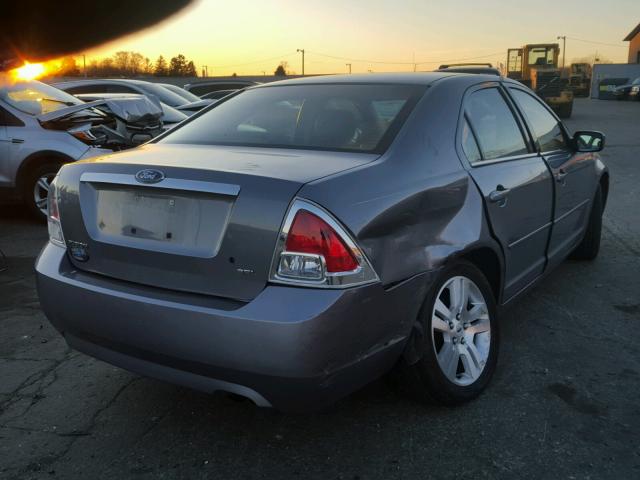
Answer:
(310, 234)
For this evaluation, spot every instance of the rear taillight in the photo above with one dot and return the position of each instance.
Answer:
(314, 249)
(53, 217)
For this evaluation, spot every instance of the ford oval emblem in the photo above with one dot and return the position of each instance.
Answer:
(149, 176)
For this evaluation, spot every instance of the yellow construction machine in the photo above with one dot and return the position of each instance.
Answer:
(536, 65)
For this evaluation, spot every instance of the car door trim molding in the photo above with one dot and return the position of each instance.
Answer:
(566, 214)
(529, 235)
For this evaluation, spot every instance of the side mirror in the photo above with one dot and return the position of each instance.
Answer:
(588, 141)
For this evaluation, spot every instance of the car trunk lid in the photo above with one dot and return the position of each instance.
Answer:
(190, 218)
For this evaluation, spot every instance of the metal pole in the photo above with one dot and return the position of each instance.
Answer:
(564, 47)
(348, 65)
(301, 50)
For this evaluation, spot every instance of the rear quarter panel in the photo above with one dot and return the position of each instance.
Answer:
(415, 208)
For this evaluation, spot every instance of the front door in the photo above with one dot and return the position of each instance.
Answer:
(515, 182)
(573, 174)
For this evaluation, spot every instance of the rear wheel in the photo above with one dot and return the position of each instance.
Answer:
(565, 110)
(590, 246)
(455, 342)
(36, 188)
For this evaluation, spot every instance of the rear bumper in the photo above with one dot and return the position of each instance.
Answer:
(290, 348)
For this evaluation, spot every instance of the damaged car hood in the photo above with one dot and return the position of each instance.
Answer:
(141, 110)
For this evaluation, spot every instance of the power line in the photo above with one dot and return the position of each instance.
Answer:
(279, 57)
(597, 43)
(360, 60)
(463, 59)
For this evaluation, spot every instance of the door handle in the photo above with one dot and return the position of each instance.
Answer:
(499, 195)
(17, 140)
(560, 176)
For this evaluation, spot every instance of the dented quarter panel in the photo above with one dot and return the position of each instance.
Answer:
(416, 207)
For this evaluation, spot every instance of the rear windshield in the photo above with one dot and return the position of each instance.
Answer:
(339, 117)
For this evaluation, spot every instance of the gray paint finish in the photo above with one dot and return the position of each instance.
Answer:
(413, 209)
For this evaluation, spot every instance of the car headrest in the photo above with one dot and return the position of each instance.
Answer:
(333, 127)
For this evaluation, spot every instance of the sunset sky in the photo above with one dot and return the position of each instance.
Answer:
(251, 36)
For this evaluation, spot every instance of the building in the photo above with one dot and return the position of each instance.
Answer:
(634, 44)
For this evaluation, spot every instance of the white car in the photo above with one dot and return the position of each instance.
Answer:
(42, 128)
(167, 96)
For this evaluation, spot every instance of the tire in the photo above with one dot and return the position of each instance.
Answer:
(564, 111)
(590, 245)
(420, 370)
(48, 170)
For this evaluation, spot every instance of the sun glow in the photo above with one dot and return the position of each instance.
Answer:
(29, 71)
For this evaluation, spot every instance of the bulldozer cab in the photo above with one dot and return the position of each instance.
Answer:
(521, 62)
(536, 66)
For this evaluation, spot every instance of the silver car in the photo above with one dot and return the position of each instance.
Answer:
(42, 128)
(125, 85)
(301, 238)
(30, 155)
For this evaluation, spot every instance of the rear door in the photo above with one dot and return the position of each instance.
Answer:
(574, 174)
(514, 180)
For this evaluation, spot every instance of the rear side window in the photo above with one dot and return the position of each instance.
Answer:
(86, 89)
(495, 126)
(113, 88)
(545, 126)
(339, 117)
(469, 144)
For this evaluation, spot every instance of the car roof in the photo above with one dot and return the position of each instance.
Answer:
(219, 81)
(412, 78)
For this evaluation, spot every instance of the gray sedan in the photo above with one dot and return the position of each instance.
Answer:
(302, 238)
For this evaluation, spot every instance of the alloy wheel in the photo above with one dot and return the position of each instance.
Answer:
(461, 330)
(41, 192)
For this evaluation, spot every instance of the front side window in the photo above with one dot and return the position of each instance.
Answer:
(340, 117)
(495, 126)
(545, 127)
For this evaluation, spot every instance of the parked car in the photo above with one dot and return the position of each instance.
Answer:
(302, 238)
(42, 128)
(218, 94)
(203, 87)
(628, 90)
(476, 68)
(170, 116)
(166, 96)
(634, 93)
(187, 95)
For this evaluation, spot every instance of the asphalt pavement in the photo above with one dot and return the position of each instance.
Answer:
(564, 403)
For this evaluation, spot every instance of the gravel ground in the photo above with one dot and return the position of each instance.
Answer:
(563, 404)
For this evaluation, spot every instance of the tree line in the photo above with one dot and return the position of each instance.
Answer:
(130, 64)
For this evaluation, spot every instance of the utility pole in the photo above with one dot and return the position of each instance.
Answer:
(564, 47)
(349, 66)
(301, 50)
